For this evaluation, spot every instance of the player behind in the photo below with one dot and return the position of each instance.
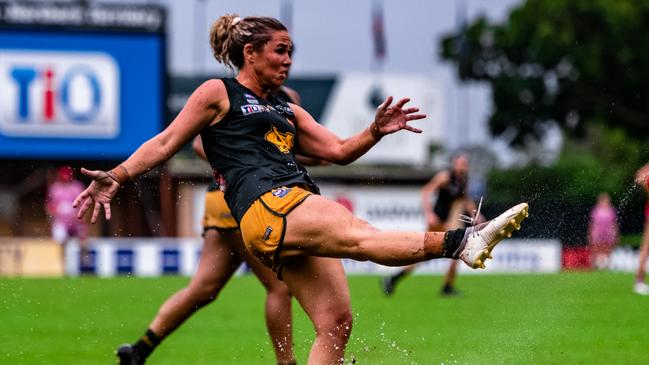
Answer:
(58, 204)
(640, 286)
(450, 187)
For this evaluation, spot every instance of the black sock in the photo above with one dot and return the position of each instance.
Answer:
(398, 276)
(147, 343)
(452, 241)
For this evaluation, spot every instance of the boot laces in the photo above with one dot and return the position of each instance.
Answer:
(472, 220)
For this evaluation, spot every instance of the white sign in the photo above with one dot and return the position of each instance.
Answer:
(159, 256)
(352, 105)
(135, 256)
(384, 207)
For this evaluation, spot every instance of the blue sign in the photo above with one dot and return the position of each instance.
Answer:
(88, 262)
(124, 261)
(170, 261)
(79, 95)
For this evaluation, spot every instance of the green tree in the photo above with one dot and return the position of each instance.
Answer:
(606, 162)
(570, 62)
(561, 195)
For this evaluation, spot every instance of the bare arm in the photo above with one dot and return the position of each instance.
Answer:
(317, 141)
(197, 146)
(204, 106)
(201, 109)
(310, 161)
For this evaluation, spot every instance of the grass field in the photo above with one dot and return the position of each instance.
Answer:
(568, 318)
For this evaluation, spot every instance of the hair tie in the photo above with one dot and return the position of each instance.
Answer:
(235, 20)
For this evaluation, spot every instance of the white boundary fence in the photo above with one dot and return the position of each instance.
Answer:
(175, 256)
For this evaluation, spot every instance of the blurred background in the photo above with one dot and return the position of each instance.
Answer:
(546, 98)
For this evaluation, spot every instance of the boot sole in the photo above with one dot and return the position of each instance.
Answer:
(514, 224)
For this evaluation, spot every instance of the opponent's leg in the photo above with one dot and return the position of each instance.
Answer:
(389, 283)
(217, 264)
(448, 288)
(640, 286)
(278, 306)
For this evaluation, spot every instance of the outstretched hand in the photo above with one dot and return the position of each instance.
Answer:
(98, 194)
(390, 119)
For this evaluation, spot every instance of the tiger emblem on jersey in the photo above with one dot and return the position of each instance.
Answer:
(283, 141)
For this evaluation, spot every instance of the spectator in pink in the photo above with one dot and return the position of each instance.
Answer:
(65, 225)
(602, 231)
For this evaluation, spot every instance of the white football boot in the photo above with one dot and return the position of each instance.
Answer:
(479, 240)
(641, 288)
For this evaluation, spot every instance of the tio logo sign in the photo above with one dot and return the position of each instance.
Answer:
(59, 94)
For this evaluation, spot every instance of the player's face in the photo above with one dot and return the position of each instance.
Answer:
(274, 60)
(461, 165)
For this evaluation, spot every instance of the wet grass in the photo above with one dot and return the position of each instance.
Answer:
(568, 318)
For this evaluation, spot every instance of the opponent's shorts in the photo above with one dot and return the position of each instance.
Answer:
(264, 224)
(453, 219)
(217, 213)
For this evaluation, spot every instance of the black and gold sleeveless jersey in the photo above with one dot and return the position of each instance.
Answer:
(252, 147)
(448, 194)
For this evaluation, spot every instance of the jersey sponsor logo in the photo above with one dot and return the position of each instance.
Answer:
(59, 94)
(284, 110)
(252, 109)
(283, 141)
(251, 99)
(281, 192)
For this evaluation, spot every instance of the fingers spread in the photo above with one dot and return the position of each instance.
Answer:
(81, 197)
(402, 102)
(386, 103)
(412, 129)
(415, 116)
(84, 207)
(107, 211)
(85, 171)
(410, 110)
(91, 173)
(95, 213)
